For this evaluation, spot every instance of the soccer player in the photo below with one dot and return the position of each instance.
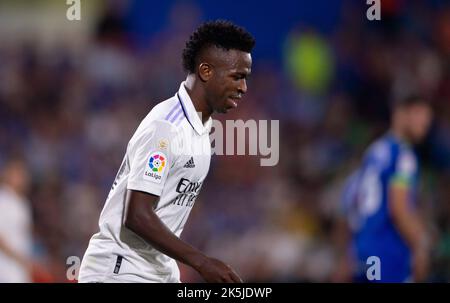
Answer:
(161, 174)
(380, 202)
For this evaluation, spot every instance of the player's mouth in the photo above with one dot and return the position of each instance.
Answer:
(233, 101)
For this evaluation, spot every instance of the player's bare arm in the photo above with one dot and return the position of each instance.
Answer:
(141, 219)
(411, 229)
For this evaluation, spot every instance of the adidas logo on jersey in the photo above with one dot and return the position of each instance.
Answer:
(190, 163)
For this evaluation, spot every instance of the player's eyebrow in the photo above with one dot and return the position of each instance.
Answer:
(242, 74)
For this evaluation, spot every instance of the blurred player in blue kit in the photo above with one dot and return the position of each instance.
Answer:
(380, 202)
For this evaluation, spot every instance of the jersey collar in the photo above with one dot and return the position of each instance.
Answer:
(190, 112)
(398, 140)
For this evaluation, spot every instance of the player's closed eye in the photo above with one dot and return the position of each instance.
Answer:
(239, 77)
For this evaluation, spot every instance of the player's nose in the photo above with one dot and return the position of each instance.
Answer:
(242, 86)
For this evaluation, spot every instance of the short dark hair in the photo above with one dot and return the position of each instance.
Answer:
(219, 33)
(410, 100)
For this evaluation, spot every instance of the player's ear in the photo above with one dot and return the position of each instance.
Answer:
(205, 71)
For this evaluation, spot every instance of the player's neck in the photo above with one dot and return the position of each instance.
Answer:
(198, 98)
(400, 134)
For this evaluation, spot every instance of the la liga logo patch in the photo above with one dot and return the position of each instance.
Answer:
(156, 164)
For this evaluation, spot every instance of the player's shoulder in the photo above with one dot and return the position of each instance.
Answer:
(164, 110)
(380, 152)
(403, 152)
(390, 153)
(164, 115)
(157, 123)
(406, 160)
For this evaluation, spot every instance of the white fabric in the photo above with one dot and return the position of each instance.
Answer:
(15, 231)
(165, 139)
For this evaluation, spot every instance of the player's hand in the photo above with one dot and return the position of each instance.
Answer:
(215, 271)
(420, 261)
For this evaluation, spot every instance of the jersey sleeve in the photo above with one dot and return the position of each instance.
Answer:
(405, 169)
(152, 157)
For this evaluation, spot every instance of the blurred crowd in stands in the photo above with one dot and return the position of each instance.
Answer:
(69, 116)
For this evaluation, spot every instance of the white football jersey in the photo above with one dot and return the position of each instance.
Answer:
(168, 156)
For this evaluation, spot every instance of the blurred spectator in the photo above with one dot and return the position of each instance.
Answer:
(16, 239)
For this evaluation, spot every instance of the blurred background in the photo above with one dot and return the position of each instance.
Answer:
(73, 92)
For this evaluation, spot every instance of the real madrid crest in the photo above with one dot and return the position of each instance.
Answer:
(163, 143)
